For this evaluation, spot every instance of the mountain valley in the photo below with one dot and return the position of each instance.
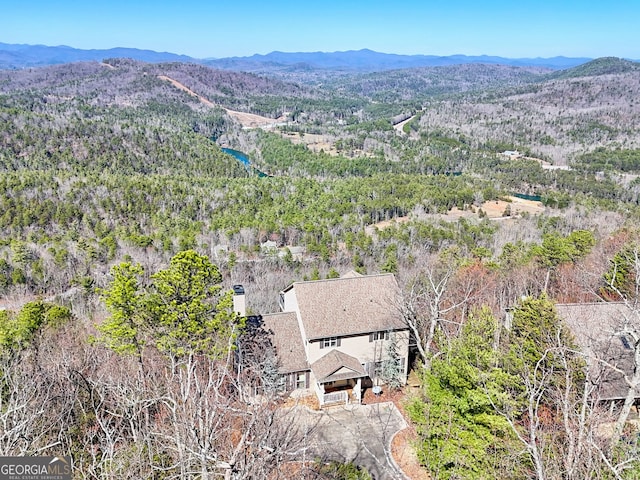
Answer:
(492, 192)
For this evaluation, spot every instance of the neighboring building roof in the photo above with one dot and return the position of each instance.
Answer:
(337, 365)
(269, 245)
(348, 306)
(294, 249)
(297, 252)
(287, 341)
(590, 321)
(597, 329)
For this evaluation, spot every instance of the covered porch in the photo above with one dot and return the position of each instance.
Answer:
(338, 379)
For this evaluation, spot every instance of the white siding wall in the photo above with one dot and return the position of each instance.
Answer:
(290, 301)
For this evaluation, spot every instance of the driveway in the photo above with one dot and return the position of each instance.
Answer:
(354, 433)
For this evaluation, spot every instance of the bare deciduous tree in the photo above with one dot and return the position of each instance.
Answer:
(428, 299)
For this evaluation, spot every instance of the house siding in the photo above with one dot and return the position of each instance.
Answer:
(364, 350)
(290, 302)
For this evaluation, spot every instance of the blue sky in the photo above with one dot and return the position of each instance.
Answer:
(213, 28)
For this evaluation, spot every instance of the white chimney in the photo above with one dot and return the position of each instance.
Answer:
(239, 304)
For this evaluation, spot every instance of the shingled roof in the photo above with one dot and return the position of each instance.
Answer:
(348, 306)
(337, 365)
(596, 328)
(287, 341)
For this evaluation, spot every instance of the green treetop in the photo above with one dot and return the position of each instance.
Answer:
(181, 311)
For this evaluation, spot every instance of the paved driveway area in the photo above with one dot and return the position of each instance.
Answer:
(354, 433)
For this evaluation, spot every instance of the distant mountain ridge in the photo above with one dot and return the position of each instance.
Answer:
(13, 56)
(368, 60)
(16, 56)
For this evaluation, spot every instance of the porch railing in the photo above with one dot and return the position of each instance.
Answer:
(335, 397)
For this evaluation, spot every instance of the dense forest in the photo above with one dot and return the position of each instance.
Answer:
(123, 226)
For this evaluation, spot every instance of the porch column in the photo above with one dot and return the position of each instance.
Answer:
(357, 390)
(320, 392)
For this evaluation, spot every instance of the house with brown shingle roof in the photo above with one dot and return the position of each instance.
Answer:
(333, 336)
(601, 330)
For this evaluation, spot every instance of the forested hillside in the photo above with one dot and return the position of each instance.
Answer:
(556, 119)
(423, 83)
(123, 225)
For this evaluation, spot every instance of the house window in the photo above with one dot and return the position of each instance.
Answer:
(301, 380)
(625, 342)
(379, 336)
(330, 342)
(377, 369)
